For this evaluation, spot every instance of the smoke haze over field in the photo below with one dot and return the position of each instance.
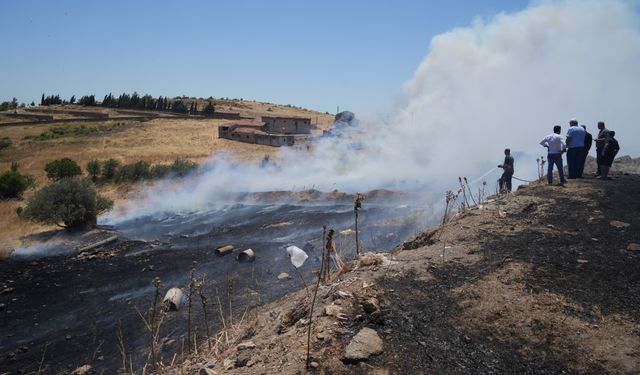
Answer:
(501, 82)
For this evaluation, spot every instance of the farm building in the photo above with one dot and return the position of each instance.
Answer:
(271, 131)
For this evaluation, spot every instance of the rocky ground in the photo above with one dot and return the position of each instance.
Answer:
(543, 281)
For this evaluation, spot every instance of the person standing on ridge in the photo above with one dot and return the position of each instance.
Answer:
(609, 152)
(556, 147)
(603, 136)
(588, 141)
(575, 148)
(507, 166)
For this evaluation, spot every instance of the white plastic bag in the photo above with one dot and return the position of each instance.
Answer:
(297, 255)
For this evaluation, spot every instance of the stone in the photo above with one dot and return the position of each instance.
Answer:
(314, 364)
(619, 224)
(332, 310)
(633, 247)
(246, 345)
(341, 294)
(363, 345)
(242, 360)
(370, 305)
(83, 370)
(228, 364)
(283, 276)
(207, 371)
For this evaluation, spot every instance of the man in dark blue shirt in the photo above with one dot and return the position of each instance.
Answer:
(507, 166)
(588, 141)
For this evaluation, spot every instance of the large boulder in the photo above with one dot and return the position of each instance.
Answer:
(363, 345)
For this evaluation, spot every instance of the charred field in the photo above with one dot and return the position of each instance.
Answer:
(63, 307)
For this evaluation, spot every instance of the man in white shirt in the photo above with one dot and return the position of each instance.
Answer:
(556, 147)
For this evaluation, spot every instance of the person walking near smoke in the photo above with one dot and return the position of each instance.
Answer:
(588, 141)
(575, 149)
(609, 152)
(507, 167)
(603, 136)
(556, 147)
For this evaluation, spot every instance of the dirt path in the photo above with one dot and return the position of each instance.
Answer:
(540, 282)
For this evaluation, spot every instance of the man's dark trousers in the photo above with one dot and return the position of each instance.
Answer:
(574, 159)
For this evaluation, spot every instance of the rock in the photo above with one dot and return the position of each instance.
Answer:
(320, 336)
(228, 364)
(314, 364)
(67, 337)
(341, 294)
(242, 360)
(467, 339)
(83, 370)
(246, 345)
(332, 310)
(551, 226)
(362, 346)
(370, 305)
(207, 371)
(619, 224)
(283, 276)
(633, 247)
(8, 290)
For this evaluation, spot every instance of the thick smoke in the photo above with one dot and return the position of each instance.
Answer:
(501, 82)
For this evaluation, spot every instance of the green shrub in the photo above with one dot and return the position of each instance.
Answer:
(209, 109)
(13, 183)
(93, 169)
(182, 167)
(5, 142)
(110, 169)
(140, 170)
(179, 106)
(62, 168)
(72, 203)
(160, 170)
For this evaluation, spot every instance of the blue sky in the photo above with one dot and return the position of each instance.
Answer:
(319, 55)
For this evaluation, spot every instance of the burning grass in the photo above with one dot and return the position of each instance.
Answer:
(159, 141)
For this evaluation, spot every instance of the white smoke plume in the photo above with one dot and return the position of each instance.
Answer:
(500, 82)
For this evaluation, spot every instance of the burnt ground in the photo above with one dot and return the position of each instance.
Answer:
(62, 311)
(540, 282)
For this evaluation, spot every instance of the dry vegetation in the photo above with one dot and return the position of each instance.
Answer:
(161, 140)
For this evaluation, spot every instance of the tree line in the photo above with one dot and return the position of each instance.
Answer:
(134, 101)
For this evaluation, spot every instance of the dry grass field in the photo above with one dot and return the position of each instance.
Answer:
(161, 140)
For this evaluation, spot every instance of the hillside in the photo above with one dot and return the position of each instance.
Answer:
(543, 281)
(159, 140)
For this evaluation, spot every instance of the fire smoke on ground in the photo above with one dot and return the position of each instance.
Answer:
(500, 82)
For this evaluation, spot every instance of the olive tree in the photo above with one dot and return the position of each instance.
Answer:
(71, 203)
